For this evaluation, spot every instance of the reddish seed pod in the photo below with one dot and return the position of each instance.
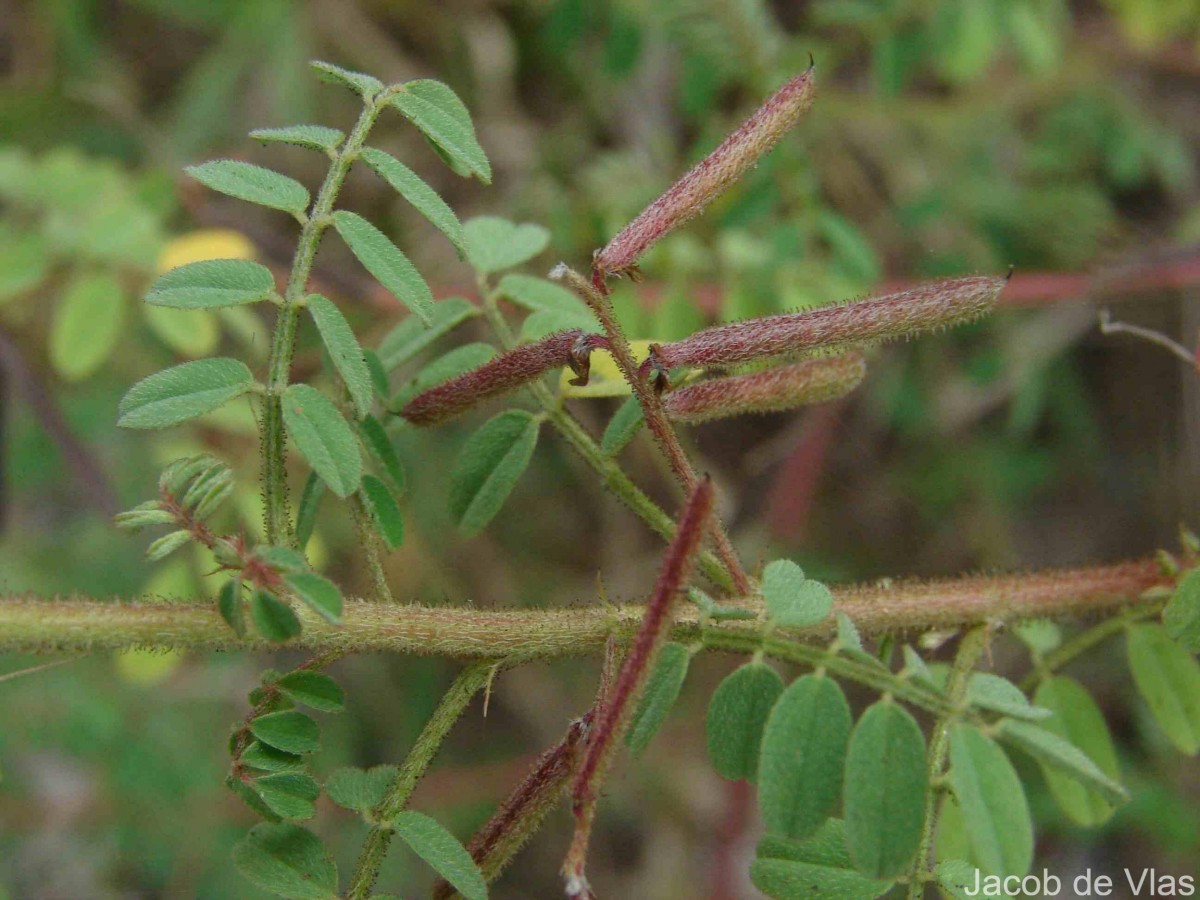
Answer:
(503, 374)
(939, 304)
(774, 390)
(688, 196)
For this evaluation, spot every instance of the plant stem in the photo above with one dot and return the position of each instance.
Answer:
(76, 623)
(1086, 640)
(453, 702)
(614, 477)
(276, 518)
(598, 300)
(970, 648)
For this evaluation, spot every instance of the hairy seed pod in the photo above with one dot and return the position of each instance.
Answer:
(688, 196)
(938, 304)
(773, 390)
(505, 373)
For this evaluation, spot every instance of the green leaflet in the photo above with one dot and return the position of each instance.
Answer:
(623, 427)
(405, 182)
(366, 86)
(24, 263)
(549, 321)
(229, 605)
(992, 802)
(436, 110)
(412, 336)
(318, 593)
(802, 758)
(87, 323)
(661, 692)
(289, 731)
(251, 183)
(376, 439)
(448, 365)
(384, 511)
(312, 137)
(489, 466)
(193, 333)
(268, 759)
(310, 502)
(818, 867)
(386, 263)
(494, 244)
(183, 392)
(273, 618)
(1076, 718)
(358, 789)
(290, 795)
(212, 283)
(885, 790)
(540, 295)
(287, 860)
(737, 715)
(792, 599)
(344, 350)
(312, 689)
(379, 376)
(1182, 615)
(442, 851)
(323, 437)
(1168, 678)
(1049, 748)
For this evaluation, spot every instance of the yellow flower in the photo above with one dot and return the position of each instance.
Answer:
(206, 243)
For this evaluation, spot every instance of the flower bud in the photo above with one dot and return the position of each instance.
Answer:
(688, 196)
(772, 390)
(938, 304)
(505, 373)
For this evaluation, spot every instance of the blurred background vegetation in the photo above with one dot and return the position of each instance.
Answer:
(949, 136)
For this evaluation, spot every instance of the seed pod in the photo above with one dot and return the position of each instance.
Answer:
(505, 373)
(938, 304)
(688, 196)
(773, 390)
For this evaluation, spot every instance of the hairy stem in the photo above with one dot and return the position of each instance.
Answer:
(597, 298)
(276, 517)
(76, 623)
(613, 476)
(970, 648)
(453, 702)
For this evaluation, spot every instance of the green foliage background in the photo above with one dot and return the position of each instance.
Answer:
(947, 137)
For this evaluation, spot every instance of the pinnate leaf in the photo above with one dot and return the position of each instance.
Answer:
(287, 860)
(212, 283)
(405, 182)
(344, 350)
(792, 599)
(442, 851)
(994, 811)
(384, 260)
(494, 244)
(737, 715)
(885, 790)
(313, 137)
(183, 392)
(661, 692)
(443, 118)
(323, 437)
(802, 758)
(488, 468)
(252, 183)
